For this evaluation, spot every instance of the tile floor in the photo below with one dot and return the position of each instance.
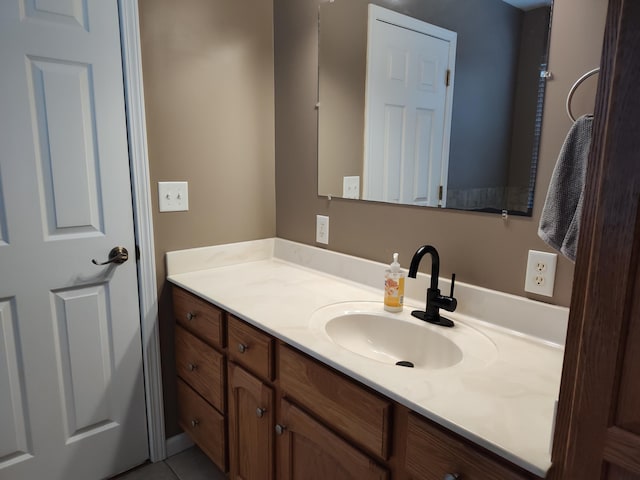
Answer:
(191, 464)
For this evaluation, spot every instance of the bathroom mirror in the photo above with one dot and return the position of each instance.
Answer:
(497, 75)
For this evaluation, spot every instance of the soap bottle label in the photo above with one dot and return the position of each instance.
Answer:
(393, 292)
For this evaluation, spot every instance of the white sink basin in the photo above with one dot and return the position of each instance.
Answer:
(366, 329)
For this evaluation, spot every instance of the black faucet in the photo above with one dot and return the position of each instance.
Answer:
(435, 301)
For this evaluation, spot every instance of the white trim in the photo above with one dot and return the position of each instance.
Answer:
(178, 443)
(140, 186)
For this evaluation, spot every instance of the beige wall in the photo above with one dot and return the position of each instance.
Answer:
(481, 248)
(209, 97)
(209, 93)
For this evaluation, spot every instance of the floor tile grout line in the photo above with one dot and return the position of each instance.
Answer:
(175, 474)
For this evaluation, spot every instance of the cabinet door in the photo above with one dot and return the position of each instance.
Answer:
(250, 426)
(307, 450)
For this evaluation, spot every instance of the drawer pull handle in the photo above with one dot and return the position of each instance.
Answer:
(195, 423)
(260, 412)
(280, 429)
(191, 315)
(242, 347)
(452, 476)
(191, 367)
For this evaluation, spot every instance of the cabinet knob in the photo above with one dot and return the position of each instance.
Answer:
(452, 476)
(280, 429)
(260, 412)
(191, 367)
(195, 422)
(242, 347)
(191, 315)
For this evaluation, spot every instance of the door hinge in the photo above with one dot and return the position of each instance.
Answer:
(440, 190)
(447, 77)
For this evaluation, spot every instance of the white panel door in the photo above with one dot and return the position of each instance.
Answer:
(71, 383)
(408, 109)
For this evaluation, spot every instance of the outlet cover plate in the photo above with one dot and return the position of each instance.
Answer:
(541, 272)
(322, 229)
(351, 187)
(173, 196)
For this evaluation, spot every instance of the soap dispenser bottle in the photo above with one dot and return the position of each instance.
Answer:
(394, 287)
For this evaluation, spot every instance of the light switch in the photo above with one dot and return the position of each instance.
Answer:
(173, 196)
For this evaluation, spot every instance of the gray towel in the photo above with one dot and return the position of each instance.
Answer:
(560, 221)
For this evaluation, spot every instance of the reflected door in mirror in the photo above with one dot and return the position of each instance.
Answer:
(408, 105)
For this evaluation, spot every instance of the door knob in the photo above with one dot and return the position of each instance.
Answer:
(117, 255)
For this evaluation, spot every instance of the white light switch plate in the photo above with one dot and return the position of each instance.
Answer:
(173, 196)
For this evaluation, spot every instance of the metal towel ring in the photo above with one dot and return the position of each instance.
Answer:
(575, 87)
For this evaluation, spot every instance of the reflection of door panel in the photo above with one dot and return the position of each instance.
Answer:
(408, 109)
(71, 397)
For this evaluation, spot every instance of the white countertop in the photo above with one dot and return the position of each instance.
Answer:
(507, 405)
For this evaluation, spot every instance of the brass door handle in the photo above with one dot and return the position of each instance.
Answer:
(117, 255)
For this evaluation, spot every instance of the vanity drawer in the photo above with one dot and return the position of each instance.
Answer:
(346, 406)
(201, 367)
(250, 347)
(199, 317)
(203, 424)
(432, 454)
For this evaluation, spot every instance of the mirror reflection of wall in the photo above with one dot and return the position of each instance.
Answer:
(497, 105)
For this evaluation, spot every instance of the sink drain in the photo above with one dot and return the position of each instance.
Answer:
(405, 363)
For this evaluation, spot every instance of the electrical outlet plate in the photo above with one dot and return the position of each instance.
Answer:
(351, 187)
(541, 273)
(322, 229)
(173, 196)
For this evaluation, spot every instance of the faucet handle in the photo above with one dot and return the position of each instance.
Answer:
(453, 283)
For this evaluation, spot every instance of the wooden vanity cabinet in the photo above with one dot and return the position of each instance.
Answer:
(203, 423)
(251, 401)
(199, 317)
(251, 415)
(346, 406)
(201, 368)
(251, 348)
(308, 450)
(432, 454)
(293, 417)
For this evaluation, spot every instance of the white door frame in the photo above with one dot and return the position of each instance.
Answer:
(143, 222)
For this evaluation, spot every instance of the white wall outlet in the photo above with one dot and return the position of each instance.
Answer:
(541, 273)
(322, 229)
(351, 187)
(173, 196)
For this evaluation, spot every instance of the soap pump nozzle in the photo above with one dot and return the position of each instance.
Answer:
(395, 265)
